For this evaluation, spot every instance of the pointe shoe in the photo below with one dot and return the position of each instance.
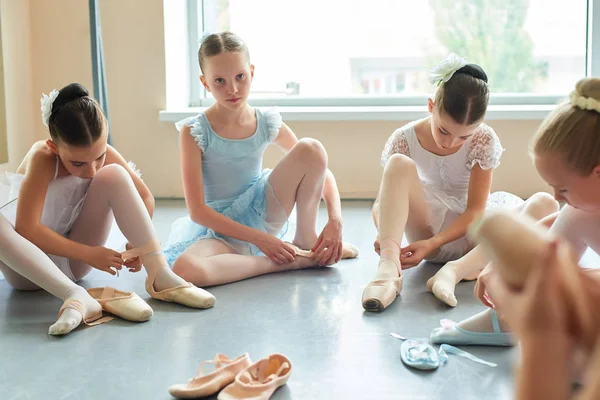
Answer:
(126, 305)
(380, 293)
(348, 251)
(209, 384)
(186, 294)
(90, 320)
(260, 380)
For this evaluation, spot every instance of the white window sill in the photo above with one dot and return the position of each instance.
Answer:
(379, 113)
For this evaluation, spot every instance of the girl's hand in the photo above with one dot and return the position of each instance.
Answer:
(377, 245)
(480, 292)
(328, 249)
(278, 251)
(133, 264)
(104, 259)
(539, 309)
(413, 254)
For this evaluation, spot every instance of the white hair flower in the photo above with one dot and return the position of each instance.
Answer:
(46, 102)
(585, 103)
(134, 168)
(442, 72)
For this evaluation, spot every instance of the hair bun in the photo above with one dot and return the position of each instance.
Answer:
(475, 71)
(71, 92)
(589, 87)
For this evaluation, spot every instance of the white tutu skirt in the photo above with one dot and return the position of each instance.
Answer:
(444, 209)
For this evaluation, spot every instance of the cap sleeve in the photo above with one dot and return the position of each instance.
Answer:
(197, 130)
(485, 149)
(274, 121)
(396, 144)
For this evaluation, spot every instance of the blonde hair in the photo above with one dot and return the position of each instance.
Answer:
(573, 132)
(217, 43)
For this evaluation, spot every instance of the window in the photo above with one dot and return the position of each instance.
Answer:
(379, 52)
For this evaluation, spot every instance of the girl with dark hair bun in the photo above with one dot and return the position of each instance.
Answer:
(57, 220)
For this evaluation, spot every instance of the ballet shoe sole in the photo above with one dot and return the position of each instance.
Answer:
(373, 305)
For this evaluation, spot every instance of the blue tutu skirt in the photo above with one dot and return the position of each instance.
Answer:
(249, 208)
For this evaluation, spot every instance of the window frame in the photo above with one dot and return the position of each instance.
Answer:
(538, 104)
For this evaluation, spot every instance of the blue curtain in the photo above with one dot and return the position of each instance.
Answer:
(98, 68)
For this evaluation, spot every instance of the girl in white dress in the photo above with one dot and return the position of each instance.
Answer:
(437, 179)
(62, 202)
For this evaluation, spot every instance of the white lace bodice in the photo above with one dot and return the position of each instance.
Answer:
(446, 177)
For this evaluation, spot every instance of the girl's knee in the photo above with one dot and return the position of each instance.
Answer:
(313, 151)
(6, 227)
(399, 163)
(189, 270)
(179, 267)
(18, 282)
(111, 173)
(79, 271)
(545, 202)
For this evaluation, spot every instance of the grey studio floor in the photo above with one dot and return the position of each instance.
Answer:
(314, 317)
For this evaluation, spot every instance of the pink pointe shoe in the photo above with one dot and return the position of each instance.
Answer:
(207, 385)
(349, 251)
(127, 305)
(380, 293)
(186, 294)
(260, 380)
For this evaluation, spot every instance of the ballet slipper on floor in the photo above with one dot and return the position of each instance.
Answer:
(451, 333)
(348, 251)
(260, 380)
(209, 384)
(90, 320)
(126, 305)
(186, 294)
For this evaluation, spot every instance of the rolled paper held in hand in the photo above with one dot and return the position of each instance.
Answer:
(515, 244)
(512, 241)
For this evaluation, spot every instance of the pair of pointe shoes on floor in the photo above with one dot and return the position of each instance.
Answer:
(129, 305)
(237, 379)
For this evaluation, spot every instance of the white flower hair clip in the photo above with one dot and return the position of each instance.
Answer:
(46, 102)
(442, 72)
(585, 103)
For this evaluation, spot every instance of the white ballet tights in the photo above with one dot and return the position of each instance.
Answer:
(443, 283)
(26, 267)
(112, 192)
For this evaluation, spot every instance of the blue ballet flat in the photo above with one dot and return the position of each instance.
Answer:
(450, 333)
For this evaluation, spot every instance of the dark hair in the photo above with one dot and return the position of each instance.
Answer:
(217, 43)
(76, 119)
(465, 96)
